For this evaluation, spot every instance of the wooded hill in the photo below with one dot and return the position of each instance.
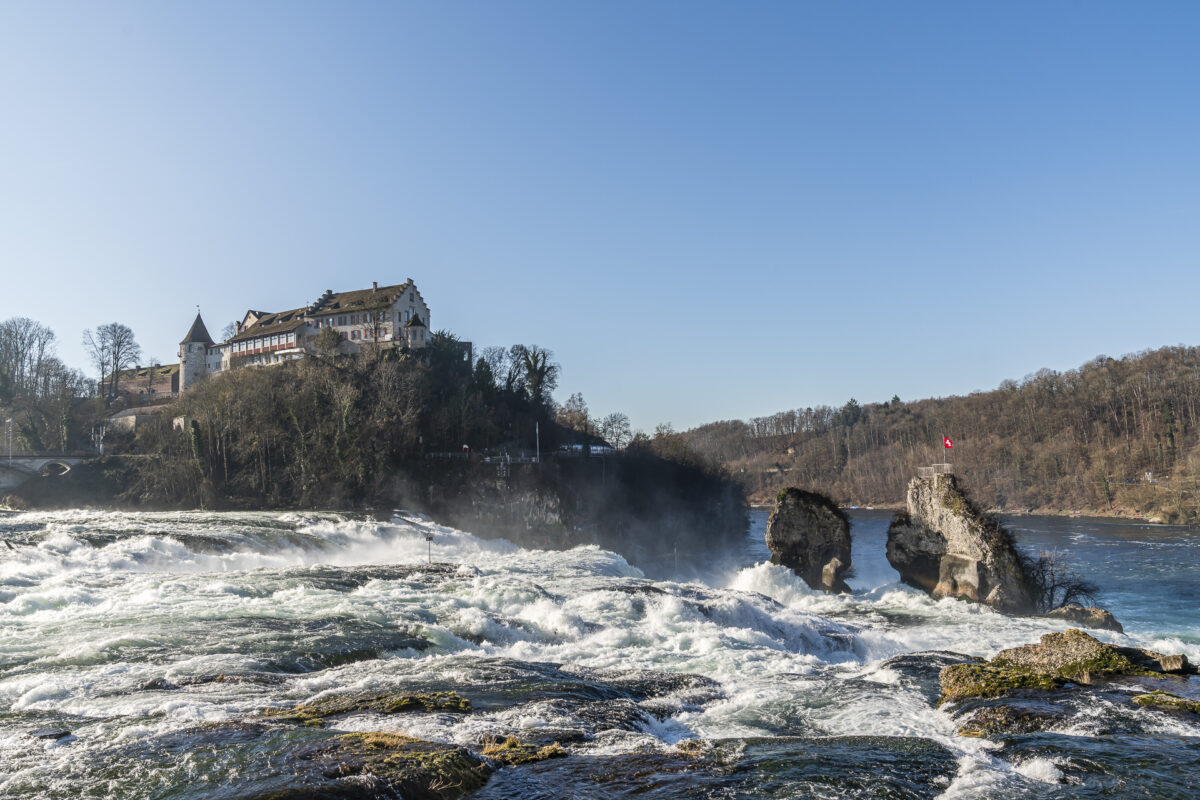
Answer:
(1117, 435)
(385, 429)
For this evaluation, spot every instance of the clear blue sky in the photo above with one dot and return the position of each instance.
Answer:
(706, 210)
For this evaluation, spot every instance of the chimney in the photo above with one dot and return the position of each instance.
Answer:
(374, 286)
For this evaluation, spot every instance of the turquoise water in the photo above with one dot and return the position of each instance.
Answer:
(1148, 575)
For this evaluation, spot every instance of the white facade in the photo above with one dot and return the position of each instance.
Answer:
(388, 316)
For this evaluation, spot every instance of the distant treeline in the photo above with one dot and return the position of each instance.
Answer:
(1114, 435)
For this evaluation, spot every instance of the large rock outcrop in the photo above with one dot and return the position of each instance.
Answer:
(946, 546)
(1070, 657)
(811, 535)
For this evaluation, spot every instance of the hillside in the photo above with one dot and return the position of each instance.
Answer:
(1115, 436)
(386, 429)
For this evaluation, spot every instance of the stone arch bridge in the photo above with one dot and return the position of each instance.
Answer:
(16, 470)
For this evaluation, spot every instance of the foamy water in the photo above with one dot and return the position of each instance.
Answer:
(233, 613)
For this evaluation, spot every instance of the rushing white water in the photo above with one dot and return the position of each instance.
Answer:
(97, 606)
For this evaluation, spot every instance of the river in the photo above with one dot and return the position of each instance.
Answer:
(145, 634)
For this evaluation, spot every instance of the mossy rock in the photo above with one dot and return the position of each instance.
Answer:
(1075, 656)
(404, 767)
(965, 681)
(316, 712)
(1059, 658)
(1167, 702)
(511, 751)
(1004, 719)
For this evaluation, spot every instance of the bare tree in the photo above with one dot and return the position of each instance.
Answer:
(229, 331)
(616, 430)
(26, 346)
(573, 414)
(1055, 584)
(112, 348)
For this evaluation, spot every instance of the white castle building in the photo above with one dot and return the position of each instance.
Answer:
(384, 316)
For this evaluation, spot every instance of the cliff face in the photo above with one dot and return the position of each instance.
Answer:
(809, 533)
(947, 547)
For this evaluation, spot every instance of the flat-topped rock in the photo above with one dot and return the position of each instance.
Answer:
(1088, 616)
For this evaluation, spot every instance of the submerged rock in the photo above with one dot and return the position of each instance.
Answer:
(1087, 616)
(50, 734)
(809, 534)
(943, 544)
(761, 767)
(1058, 659)
(510, 751)
(316, 712)
(387, 765)
(1167, 702)
(1006, 719)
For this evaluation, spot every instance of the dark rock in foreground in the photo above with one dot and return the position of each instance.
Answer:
(943, 544)
(393, 765)
(809, 534)
(1007, 719)
(50, 734)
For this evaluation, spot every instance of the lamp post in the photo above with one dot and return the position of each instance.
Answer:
(429, 544)
(8, 427)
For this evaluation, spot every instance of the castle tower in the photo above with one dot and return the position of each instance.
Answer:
(193, 352)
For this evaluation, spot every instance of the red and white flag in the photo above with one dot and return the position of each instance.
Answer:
(949, 445)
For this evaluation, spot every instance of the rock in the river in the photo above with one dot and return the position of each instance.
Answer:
(1167, 702)
(50, 733)
(316, 712)
(1006, 719)
(811, 535)
(388, 765)
(1087, 616)
(1059, 658)
(943, 544)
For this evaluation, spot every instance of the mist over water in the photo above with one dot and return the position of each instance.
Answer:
(143, 633)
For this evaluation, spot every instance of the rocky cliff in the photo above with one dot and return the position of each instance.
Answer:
(946, 546)
(811, 535)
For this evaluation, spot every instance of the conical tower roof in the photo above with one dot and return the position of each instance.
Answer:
(197, 333)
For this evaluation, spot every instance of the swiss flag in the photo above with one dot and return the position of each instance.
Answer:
(949, 445)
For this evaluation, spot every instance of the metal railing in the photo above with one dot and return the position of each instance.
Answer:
(935, 469)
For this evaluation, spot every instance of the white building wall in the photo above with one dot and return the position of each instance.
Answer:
(193, 364)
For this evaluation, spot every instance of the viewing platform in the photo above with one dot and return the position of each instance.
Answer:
(934, 469)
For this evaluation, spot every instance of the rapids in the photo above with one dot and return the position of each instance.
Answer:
(153, 637)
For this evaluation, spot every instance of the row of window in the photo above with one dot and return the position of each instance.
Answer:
(265, 341)
(342, 320)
